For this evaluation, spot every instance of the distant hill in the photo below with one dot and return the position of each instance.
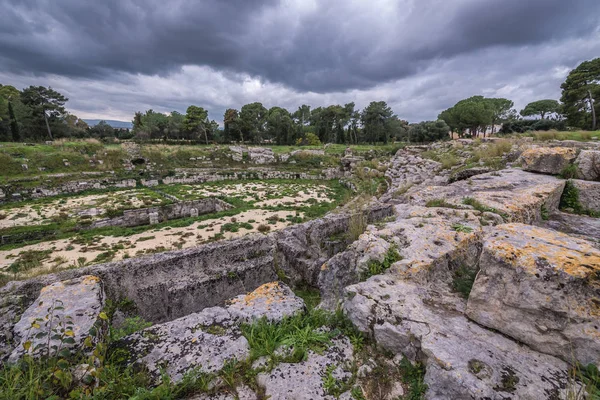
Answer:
(114, 124)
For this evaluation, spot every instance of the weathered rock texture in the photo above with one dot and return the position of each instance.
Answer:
(462, 359)
(540, 287)
(588, 165)
(304, 380)
(547, 160)
(210, 338)
(516, 195)
(589, 194)
(183, 209)
(425, 238)
(68, 309)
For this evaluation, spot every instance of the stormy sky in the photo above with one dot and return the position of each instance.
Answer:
(115, 57)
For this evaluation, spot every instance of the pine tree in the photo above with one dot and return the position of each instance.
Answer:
(14, 126)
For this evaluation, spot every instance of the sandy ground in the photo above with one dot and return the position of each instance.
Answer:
(72, 206)
(254, 191)
(73, 252)
(67, 252)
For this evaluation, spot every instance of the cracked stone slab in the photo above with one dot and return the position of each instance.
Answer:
(208, 339)
(547, 160)
(540, 287)
(304, 380)
(515, 194)
(463, 360)
(74, 305)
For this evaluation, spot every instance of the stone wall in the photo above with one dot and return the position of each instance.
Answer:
(173, 284)
(151, 215)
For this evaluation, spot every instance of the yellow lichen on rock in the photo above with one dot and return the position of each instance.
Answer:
(530, 248)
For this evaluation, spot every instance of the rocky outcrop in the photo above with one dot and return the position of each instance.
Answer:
(547, 160)
(463, 174)
(183, 209)
(407, 169)
(516, 195)
(540, 287)
(261, 155)
(60, 318)
(304, 380)
(588, 194)
(208, 339)
(462, 359)
(588, 165)
(431, 243)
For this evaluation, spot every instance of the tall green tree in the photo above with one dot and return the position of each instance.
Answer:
(252, 119)
(473, 115)
(541, 108)
(14, 125)
(581, 95)
(429, 131)
(45, 103)
(376, 118)
(280, 126)
(501, 110)
(196, 121)
(231, 125)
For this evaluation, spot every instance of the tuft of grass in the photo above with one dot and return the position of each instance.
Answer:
(414, 377)
(569, 172)
(462, 228)
(376, 268)
(130, 325)
(463, 280)
(477, 205)
(440, 203)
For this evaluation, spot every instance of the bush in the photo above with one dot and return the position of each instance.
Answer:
(429, 131)
(525, 125)
(310, 139)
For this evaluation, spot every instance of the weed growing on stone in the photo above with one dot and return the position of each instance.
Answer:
(462, 228)
(477, 205)
(569, 172)
(376, 268)
(463, 280)
(440, 203)
(413, 376)
(569, 201)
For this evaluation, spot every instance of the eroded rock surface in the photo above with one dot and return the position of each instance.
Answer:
(516, 195)
(304, 380)
(540, 287)
(462, 359)
(547, 160)
(588, 165)
(208, 339)
(588, 194)
(68, 309)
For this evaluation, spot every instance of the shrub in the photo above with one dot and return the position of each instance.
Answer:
(262, 228)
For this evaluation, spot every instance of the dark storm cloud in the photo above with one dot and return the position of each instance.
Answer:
(331, 46)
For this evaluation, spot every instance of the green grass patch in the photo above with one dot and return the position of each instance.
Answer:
(375, 267)
(463, 279)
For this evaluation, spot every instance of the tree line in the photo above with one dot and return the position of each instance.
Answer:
(38, 113)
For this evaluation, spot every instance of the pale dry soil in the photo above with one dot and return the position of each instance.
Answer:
(92, 205)
(68, 253)
(265, 194)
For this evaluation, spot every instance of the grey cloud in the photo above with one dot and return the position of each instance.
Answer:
(338, 46)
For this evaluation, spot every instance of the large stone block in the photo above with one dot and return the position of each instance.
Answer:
(588, 165)
(589, 194)
(547, 160)
(210, 338)
(540, 287)
(517, 195)
(463, 360)
(68, 309)
(304, 380)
